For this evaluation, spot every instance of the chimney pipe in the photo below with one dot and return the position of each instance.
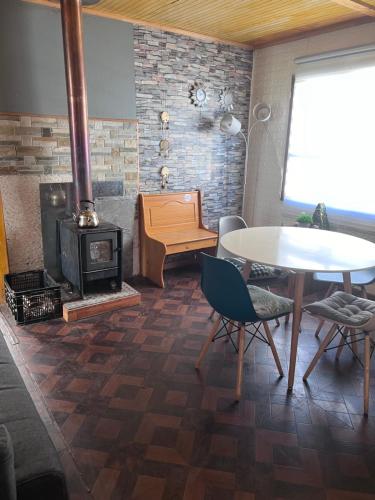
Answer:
(77, 99)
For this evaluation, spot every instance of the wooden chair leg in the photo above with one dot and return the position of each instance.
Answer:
(241, 350)
(366, 384)
(317, 331)
(208, 342)
(273, 348)
(354, 345)
(342, 343)
(317, 356)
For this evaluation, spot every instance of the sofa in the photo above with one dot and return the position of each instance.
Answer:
(29, 464)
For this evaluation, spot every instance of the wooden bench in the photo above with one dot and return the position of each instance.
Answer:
(170, 223)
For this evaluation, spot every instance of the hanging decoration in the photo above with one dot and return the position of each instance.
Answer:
(226, 99)
(198, 94)
(164, 144)
(164, 174)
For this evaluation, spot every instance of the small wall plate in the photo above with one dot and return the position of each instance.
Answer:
(226, 99)
(198, 94)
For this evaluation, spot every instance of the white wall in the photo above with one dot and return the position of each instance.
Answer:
(271, 83)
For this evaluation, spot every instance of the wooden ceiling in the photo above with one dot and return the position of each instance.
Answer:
(249, 22)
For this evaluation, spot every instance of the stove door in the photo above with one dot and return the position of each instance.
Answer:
(99, 251)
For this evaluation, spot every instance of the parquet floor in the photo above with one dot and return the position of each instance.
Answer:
(142, 424)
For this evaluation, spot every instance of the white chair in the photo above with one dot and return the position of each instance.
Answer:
(353, 320)
(357, 278)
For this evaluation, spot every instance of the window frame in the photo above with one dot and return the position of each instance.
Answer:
(286, 154)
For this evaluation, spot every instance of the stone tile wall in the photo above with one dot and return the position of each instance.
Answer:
(35, 150)
(201, 157)
(40, 145)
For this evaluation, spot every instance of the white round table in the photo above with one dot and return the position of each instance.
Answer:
(301, 250)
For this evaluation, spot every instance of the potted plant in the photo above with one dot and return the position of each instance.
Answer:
(304, 220)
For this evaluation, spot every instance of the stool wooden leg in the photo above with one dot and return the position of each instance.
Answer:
(241, 350)
(317, 331)
(342, 342)
(273, 348)
(366, 384)
(323, 345)
(354, 345)
(208, 342)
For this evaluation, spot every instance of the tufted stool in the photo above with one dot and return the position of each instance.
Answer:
(347, 313)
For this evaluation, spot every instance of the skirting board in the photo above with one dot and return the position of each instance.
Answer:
(101, 303)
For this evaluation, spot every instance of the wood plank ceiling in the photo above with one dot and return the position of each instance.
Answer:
(249, 22)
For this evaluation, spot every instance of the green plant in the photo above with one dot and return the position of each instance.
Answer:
(304, 218)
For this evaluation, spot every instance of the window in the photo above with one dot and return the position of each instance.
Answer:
(331, 154)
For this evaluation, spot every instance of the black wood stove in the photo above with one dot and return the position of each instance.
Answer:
(90, 250)
(91, 257)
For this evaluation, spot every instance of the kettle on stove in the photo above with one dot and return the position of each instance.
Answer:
(87, 216)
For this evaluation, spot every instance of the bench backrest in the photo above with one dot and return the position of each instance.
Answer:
(170, 211)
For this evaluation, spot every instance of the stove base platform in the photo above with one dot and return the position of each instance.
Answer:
(101, 303)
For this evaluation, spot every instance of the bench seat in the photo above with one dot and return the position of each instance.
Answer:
(170, 223)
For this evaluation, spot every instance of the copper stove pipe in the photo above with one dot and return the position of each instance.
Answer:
(77, 99)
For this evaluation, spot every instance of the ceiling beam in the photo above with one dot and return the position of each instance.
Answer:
(358, 5)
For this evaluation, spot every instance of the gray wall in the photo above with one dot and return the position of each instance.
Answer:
(32, 78)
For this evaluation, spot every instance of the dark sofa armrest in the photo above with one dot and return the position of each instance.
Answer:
(7, 473)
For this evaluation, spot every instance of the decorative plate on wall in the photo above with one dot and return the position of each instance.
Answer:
(198, 94)
(226, 99)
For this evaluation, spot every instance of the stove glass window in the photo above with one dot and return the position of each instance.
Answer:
(101, 251)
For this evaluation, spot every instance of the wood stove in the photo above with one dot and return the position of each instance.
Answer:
(91, 258)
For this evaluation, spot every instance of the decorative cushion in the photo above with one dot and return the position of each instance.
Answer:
(7, 473)
(345, 309)
(267, 305)
(258, 271)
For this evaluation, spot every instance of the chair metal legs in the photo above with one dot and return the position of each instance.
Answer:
(241, 351)
(253, 331)
(366, 362)
(342, 342)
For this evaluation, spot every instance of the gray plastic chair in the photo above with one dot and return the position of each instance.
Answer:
(260, 274)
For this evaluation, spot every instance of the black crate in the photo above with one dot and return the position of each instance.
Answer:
(32, 296)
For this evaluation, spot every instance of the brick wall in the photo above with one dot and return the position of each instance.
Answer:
(201, 157)
(35, 150)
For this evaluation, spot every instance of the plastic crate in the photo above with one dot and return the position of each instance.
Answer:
(32, 296)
